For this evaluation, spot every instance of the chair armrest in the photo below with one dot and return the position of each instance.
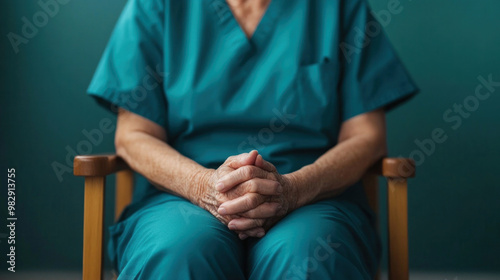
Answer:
(98, 165)
(395, 168)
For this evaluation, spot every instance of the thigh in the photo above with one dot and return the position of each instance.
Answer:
(170, 238)
(326, 240)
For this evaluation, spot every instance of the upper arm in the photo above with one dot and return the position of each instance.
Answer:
(370, 124)
(129, 123)
(372, 75)
(131, 73)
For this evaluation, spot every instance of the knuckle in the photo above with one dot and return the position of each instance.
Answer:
(250, 214)
(219, 199)
(252, 200)
(252, 186)
(276, 186)
(229, 159)
(247, 171)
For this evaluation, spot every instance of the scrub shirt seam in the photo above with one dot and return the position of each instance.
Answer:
(112, 96)
(393, 96)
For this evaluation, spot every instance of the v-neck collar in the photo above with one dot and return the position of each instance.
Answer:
(234, 29)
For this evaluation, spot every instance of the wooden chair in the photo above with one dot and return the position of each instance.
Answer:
(95, 168)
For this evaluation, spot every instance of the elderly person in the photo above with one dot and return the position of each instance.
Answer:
(250, 124)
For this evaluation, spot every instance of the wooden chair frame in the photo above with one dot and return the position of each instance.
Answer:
(95, 168)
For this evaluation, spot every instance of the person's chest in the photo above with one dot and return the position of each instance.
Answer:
(216, 72)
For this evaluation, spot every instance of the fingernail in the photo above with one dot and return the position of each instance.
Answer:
(222, 210)
(219, 186)
(231, 227)
(260, 234)
(243, 236)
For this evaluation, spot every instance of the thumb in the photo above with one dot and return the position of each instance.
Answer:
(264, 164)
(243, 159)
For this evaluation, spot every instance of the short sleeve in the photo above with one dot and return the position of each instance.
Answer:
(372, 74)
(130, 72)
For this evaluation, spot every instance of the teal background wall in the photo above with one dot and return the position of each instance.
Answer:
(446, 45)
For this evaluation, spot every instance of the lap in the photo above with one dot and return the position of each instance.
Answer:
(330, 239)
(171, 235)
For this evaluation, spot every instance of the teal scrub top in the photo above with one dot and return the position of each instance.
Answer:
(189, 67)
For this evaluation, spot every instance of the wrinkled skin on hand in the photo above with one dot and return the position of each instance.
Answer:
(257, 212)
(210, 198)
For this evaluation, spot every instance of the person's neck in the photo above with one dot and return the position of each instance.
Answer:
(248, 3)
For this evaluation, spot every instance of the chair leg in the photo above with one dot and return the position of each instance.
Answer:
(93, 227)
(398, 228)
(124, 191)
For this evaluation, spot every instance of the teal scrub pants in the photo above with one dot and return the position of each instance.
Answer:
(170, 238)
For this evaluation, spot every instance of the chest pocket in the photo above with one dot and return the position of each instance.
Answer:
(316, 89)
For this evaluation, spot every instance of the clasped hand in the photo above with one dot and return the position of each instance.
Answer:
(247, 194)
